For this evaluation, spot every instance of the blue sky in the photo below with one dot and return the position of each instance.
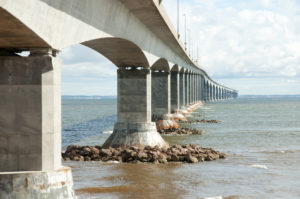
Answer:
(252, 46)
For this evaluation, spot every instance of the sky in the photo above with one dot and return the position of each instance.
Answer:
(252, 46)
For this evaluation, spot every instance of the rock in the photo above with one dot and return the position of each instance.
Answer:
(191, 158)
(87, 158)
(142, 156)
(105, 152)
(174, 158)
(178, 153)
(94, 150)
(86, 149)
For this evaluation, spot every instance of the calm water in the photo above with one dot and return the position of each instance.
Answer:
(260, 135)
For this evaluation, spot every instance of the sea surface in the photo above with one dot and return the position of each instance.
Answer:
(260, 135)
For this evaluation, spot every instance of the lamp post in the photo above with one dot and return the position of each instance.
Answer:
(178, 18)
(197, 55)
(184, 31)
(189, 40)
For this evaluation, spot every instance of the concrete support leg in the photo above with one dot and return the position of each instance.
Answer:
(190, 89)
(30, 127)
(30, 113)
(175, 91)
(186, 79)
(182, 90)
(196, 88)
(161, 95)
(134, 126)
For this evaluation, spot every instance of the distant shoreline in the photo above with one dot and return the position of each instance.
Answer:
(87, 97)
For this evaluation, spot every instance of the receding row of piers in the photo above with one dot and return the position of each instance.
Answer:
(30, 108)
(30, 112)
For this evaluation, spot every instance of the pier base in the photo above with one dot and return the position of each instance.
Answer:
(37, 184)
(128, 134)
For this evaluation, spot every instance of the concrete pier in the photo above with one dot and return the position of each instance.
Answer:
(30, 112)
(175, 91)
(30, 126)
(55, 184)
(134, 125)
(182, 89)
(161, 94)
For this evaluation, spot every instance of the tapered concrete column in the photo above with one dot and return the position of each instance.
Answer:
(195, 88)
(214, 93)
(30, 112)
(175, 91)
(199, 84)
(187, 83)
(161, 94)
(134, 125)
(190, 89)
(210, 92)
(182, 89)
(202, 90)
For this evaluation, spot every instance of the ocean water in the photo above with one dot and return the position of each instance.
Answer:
(260, 135)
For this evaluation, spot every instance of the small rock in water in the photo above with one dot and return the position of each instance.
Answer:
(192, 153)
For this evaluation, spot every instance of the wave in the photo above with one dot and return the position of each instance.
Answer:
(216, 197)
(220, 197)
(205, 108)
(107, 132)
(279, 151)
(76, 132)
(259, 166)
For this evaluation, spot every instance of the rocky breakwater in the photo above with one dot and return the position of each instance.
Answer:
(181, 131)
(135, 154)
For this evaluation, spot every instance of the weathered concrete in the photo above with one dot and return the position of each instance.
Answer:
(175, 91)
(37, 184)
(187, 88)
(182, 89)
(161, 94)
(30, 112)
(134, 126)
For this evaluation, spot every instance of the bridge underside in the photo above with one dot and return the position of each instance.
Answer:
(15, 35)
(150, 87)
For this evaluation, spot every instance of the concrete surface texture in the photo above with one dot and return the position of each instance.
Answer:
(161, 94)
(37, 184)
(30, 113)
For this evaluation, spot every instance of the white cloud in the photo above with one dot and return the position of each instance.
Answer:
(241, 44)
(86, 72)
(258, 39)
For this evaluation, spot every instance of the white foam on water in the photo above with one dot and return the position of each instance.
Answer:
(216, 197)
(111, 162)
(107, 132)
(259, 166)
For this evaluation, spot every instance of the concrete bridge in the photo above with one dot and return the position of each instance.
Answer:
(156, 77)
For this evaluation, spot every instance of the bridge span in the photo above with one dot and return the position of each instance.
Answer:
(156, 77)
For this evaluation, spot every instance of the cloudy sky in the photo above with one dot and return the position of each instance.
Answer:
(250, 45)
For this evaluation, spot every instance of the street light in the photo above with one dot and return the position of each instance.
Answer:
(189, 40)
(178, 18)
(184, 30)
